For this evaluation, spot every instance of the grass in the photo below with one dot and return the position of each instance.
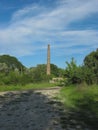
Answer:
(26, 87)
(82, 97)
(83, 101)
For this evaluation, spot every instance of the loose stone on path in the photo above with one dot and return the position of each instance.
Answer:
(29, 110)
(36, 110)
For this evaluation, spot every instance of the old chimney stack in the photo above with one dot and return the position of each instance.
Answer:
(48, 60)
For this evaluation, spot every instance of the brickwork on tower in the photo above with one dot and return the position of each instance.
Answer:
(48, 60)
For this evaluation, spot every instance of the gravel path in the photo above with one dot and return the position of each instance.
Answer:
(37, 110)
(29, 110)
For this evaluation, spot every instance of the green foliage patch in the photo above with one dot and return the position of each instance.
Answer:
(84, 98)
(88, 72)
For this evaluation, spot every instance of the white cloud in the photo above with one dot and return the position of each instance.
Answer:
(33, 27)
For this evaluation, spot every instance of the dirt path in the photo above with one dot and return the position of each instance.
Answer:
(29, 110)
(37, 110)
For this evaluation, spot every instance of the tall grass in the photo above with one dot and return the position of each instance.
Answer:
(82, 97)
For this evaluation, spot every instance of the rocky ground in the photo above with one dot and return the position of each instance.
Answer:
(36, 110)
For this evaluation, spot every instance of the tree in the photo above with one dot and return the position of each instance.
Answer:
(91, 63)
(55, 70)
(73, 73)
(39, 72)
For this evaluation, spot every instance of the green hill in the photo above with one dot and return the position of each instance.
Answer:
(11, 62)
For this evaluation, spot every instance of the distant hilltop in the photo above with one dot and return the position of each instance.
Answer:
(11, 62)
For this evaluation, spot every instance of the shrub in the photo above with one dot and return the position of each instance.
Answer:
(73, 73)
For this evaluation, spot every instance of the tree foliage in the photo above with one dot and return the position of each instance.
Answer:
(91, 63)
(4, 68)
(39, 72)
(73, 73)
(88, 72)
(11, 62)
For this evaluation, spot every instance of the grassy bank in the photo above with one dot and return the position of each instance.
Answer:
(25, 87)
(81, 106)
(84, 96)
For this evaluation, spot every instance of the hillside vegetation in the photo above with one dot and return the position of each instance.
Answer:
(13, 72)
(10, 62)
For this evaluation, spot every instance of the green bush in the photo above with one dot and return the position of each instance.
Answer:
(74, 74)
(15, 78)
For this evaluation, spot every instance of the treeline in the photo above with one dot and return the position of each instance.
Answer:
(13, 72)
(87, 73)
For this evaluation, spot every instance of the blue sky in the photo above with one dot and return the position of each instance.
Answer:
(28, 26)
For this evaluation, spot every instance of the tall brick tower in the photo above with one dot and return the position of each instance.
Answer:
(48, 60)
